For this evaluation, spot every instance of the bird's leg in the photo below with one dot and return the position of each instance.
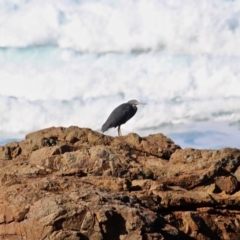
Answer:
(119, 131)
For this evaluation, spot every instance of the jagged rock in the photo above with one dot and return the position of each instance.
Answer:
(228, 184)
(74, 183)
(5, 153)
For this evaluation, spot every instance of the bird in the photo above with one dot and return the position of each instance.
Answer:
(121, 115)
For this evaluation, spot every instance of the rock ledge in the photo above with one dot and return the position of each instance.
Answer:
(74, 183)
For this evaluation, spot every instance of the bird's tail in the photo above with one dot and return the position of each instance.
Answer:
(104, 127)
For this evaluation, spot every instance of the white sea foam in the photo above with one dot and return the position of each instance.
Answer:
(85, 88)
(188, 27)
(156, 77)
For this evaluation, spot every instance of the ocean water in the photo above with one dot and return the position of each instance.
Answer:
(71, 62)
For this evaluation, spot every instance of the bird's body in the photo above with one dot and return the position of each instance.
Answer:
(121, 115)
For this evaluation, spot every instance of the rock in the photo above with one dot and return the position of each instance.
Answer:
(228, 184)
(237, 174)
(5, 153)
(74, 183)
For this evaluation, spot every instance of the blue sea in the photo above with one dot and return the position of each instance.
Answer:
(71, 62)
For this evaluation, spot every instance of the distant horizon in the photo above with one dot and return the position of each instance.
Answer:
(193, 135)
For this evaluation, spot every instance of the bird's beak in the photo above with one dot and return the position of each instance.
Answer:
(140, 103)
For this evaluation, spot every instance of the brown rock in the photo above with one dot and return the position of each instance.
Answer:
(5, 153)
(74, 183)
(228, 184)
(237, 174)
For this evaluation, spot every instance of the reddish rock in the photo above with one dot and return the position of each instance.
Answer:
(5, 153)
(74, 183)
(228, 184)
(237, 174)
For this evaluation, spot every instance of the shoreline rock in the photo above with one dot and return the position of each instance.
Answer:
(74, 183)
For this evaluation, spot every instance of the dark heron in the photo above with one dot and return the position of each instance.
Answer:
(121, 115)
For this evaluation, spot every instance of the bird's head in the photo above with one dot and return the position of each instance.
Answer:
(135, 102)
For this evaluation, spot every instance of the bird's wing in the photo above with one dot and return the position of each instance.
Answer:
(119, 116)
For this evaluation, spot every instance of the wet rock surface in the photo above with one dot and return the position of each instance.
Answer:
(74, 183)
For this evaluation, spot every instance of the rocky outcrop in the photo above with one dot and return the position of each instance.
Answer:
(74, 183)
